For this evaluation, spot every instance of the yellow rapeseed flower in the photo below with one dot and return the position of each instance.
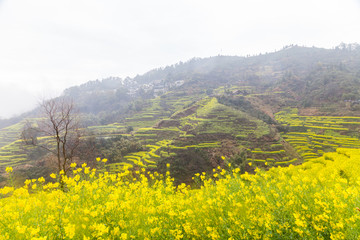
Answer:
(41, 179)
(21, 229)
(151, 206)
(70, 230)
(124, 236)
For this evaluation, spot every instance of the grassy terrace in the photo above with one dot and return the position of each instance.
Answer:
(12, 151)
(201, 128)
(13, 154)
(160, 108)
(155, 152)
(213, 118)
(311, 136)
(11, 133)
(110, 129)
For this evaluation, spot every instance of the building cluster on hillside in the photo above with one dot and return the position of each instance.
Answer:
(158, 87)
(111, 84)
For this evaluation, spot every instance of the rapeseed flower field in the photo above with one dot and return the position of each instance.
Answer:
(317, 200)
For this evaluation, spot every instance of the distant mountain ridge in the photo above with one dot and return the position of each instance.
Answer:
(298, 70)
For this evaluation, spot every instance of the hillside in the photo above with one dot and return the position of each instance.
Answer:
(267, 110)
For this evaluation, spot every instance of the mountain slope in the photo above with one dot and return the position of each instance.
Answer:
(192, 114)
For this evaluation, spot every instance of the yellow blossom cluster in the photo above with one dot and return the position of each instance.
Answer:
(317, 200)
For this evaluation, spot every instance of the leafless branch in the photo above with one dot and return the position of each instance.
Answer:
(60, 123)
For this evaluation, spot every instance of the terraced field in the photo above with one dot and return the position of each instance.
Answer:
(171, 125)
(12, 151)
(165, 125)
(13, 154)
(142, 158)
(160, 108)
(11, 133)
(311, 136)
(212, 117)
(204, 125)
(215, 118)
(106, 130)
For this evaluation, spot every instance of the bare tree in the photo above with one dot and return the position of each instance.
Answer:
(58, 131)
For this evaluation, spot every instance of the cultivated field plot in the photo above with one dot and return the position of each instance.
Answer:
(204, 125)
(12, 150)
(311, 136)
(11, 133)
(160, 108)
(108, 130)
(13, 154)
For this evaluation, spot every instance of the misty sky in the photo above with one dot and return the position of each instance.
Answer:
(49, 45)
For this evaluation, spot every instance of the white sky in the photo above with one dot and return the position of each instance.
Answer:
(49, 45)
